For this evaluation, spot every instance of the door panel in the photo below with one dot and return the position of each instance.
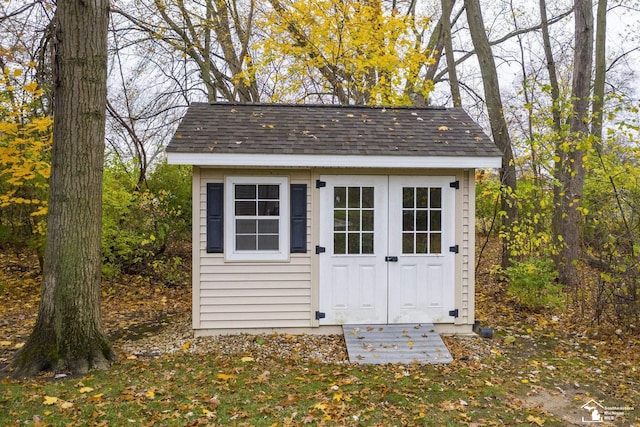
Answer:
(353, 274)
(421, 283)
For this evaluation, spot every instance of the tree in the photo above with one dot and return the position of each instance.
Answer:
(351, 52)
(497, 121)
(570, 163)
(68, 333)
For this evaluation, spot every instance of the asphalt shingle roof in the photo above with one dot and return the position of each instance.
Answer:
(329, 129)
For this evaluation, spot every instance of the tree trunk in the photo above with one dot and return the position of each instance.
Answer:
(68, 333)
(447, 7)
(497, 121)
(568, 216)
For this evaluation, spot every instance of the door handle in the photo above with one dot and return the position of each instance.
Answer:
(391, 259)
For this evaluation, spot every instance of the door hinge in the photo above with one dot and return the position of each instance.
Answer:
(320, 315)
(320, 249)
(455, 184)
(391, 259)
(320, 184)
(454, 313)
(455, 249)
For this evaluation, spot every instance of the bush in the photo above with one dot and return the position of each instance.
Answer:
(532, 283)
(138, 224)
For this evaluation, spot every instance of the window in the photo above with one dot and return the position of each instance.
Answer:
(421, 220)
(353, 220)
(257, 213)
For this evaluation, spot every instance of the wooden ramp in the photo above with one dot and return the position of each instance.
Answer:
(398, 343)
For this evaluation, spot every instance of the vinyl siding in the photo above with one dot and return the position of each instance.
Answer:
(246, 294)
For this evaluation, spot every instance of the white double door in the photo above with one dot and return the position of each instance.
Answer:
(387, 256)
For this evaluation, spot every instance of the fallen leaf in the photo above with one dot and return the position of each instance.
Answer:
(86, 390)
(50, 400)
(224, 377)
(539, 421)
(66, 405)
(248, 359)
(443, 128)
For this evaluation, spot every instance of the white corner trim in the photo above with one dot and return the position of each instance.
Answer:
(339, 161)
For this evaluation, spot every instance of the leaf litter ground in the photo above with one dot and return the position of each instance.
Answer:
(539, 369)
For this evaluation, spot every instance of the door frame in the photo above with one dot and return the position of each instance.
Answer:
(325, 196)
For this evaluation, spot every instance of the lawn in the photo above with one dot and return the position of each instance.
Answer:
(539, 369)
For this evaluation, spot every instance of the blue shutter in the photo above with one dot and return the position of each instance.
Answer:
(215, 217)
(298, 230)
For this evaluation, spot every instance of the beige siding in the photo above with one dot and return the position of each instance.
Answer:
(467, 230)
(233, 295)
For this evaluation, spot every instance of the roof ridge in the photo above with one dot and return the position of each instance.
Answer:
(354, 106)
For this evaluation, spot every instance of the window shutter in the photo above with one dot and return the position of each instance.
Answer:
(298, 229)
(215, 217)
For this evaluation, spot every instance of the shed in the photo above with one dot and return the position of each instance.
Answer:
(307, 217)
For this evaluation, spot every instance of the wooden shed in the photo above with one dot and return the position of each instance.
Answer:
(307, 217)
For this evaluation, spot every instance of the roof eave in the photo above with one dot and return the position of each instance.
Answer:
(339, 161)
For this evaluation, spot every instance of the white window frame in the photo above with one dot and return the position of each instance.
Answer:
(232, 254)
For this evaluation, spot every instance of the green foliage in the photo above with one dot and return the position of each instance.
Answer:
(139, 224)
(531, 282)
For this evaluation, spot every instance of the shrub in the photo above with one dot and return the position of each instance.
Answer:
(532, 283)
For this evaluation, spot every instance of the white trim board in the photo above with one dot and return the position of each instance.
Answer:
(340, 161)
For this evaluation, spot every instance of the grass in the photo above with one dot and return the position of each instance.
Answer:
(535, 371)
(187, 389)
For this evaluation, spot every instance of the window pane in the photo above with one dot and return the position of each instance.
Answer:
(436, 198)
(367, 243)
(367, 197)
(340, 220)
(407, 197)
(435, 221)
(245, 208)
(339, 243)
(354, 197)
(422, 197)
(367, 220)
(435, 243)
(246, 242)
(269, 208)
(421, 243)
(268, 242)
(421, 221)
(354, 243)
(245, 226)
(354, 220)
(339, 197)
(407, 221)
(407, 243)
(269, 192)
(244, 191)
(268, 226)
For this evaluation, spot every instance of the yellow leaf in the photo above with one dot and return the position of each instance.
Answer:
(321, 406)
(525, 381)
(443, 128)
(19, 345)
(47, 413)
(5, 343)
(337, 397)
(50, 400)
(248, 359)
(539, 421)
(66, 405)
(186, 345)
(150, 394)
(86, 390)
(224, 377)
(410, 343)
(132, 357)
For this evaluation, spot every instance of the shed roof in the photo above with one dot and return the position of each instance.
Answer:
(226, 134)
